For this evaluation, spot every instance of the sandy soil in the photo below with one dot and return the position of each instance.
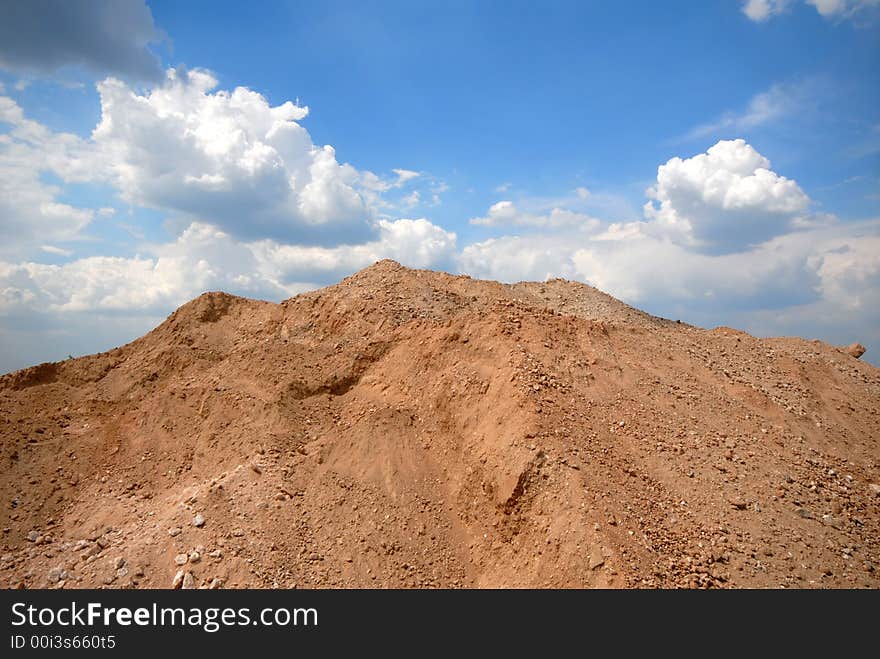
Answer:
(409, 428)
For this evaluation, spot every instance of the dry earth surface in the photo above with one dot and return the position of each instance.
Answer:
(409, 428)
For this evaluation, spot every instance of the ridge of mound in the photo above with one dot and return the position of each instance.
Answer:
(414, 428)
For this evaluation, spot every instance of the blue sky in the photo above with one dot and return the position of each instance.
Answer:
(717, 162)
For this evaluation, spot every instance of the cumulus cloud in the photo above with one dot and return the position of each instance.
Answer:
(506, 214)
(229, 157)
(723, 200)
(103, 36)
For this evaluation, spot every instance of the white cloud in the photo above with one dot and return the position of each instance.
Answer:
(849, 271)
(504, 187)
(829, 7)
(57, 251)
(371, 181)
(417, 243)
(723, 200)
(228, 157)
(780, 101)
(506, 214)
(582, 193)
(842, 8)
(411, 200)
(761, 10)
(404, 175)
(234, 160)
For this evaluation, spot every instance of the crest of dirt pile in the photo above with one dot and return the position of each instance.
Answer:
(413, 428)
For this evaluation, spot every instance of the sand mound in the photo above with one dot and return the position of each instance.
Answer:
(412, 428)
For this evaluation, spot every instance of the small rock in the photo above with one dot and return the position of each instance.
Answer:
(875, 489)
(189, 581)
(855, 350)
(194, 557)
(215, 584)
(181, 559)
(55, 574)
(122, 572)
(33, 536)
(177, 582)
(806, 514)
(175, 531)
(119, 562)
(216, 554)
(199, 520)
(596, 561)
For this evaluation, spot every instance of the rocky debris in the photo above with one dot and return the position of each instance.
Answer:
(413, 429)
(855, 350)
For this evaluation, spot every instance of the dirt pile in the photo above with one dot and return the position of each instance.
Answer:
(412, 428)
